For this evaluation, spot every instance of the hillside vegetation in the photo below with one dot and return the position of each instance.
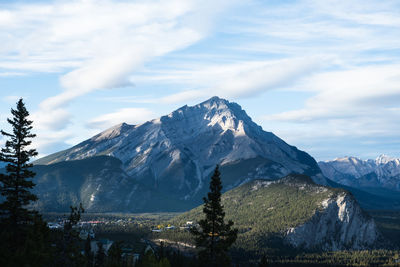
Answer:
(263, 210)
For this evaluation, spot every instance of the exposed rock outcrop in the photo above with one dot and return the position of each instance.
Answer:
(339, 224)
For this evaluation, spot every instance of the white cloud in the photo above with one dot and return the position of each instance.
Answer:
(102, 41)
(47, 141)
(346, 29)
(186, 96)
(147, 99)
(356, 93)
(74, 31)
(94, 45)
(356, 110)
(51, 119)
(364, 91)
(242, 79)
(381, 13)
(9, 74)
(127, 115)
(343, 52)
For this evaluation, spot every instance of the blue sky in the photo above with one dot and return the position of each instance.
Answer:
(322, 75)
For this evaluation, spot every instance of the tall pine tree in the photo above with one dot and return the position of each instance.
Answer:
(215, 236)
(16, 183)
(24, 235)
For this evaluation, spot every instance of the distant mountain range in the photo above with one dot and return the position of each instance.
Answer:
(375, 183)
(165, 164)
(383, 172)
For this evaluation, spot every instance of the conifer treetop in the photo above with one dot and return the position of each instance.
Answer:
(16, 183)
(214, 236)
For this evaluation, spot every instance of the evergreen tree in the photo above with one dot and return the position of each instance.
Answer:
(151, 260)
(88, 252)
(263, 262)
(37, 248)
(69, 252)
(114, 258)
(100, 255)
(215, 236)
(16, 183)
(23, 233)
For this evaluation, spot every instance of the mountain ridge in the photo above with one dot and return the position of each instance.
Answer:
(224, 117)
(175, 154)
(383, 172)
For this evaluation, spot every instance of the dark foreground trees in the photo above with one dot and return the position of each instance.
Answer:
(68, 250)
(23, 233)
(25, 239)
(215, 236)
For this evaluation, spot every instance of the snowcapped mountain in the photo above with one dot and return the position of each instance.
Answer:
(383, 172)
(175, 155)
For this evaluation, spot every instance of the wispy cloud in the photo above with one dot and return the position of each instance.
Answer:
(344, 54)
(345, 29)
(101, 47)
(236, 80)
(51, 119)
(48, 141)
(94, 45)
(363, 91)
(146, 99)
(11, 74)
(360, 104)
(127, 115)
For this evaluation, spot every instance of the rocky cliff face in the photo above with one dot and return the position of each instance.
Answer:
(339, 224)
(294, 211)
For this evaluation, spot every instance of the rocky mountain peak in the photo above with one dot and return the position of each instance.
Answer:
(215, 102)
(113, 132)
(227, 115)
(215, 113)
(347, 160)
(176, 153)
(384, 159)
